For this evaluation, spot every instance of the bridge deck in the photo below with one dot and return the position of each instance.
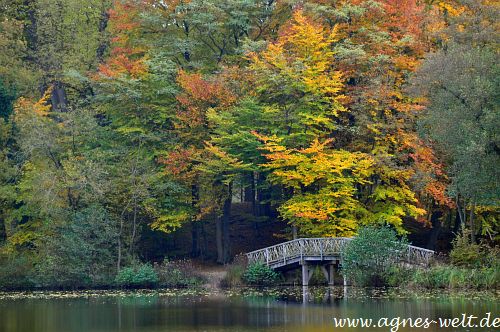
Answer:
(321, 249)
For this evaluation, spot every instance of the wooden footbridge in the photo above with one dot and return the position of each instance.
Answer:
(325, 252)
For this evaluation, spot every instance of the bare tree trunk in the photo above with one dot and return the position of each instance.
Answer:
(195, 225)
(58, 98)
(134, 226)
(3, 230)
(461, 213)
(119, 240)
(103, 44)
(225, 225)
(471, 222)
(250, 189)
(222, 230)
(119, 258)
(219, 240)
(436, 229)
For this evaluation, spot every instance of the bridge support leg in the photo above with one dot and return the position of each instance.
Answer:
(306, 274)
(328, 271)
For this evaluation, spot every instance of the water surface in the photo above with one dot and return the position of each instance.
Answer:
(293, 309)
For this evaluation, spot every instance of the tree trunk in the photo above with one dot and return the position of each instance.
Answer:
(471, 222)
(458, 224)
(195, 225)
(250, 189)
(58, 98)
(3, 231)
(134, 228)
(250, 197)
(119, 258)
(222, 229)
(436, 229)
(219, 240)
(461, 214)
(103, 44)
(262, 209)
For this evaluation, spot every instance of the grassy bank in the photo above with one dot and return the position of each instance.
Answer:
(446, 277)
(21, 276)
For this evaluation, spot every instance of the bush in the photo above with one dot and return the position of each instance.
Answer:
(396, 276)
(142, 275)
(78, 254)
(464, 252)
(15, 272)
(234, 276)
(180, 273)
(369, 258)
(261, 275)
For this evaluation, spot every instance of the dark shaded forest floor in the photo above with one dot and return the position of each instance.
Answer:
(248, 233)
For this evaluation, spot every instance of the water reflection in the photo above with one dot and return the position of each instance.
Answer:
(294, 309)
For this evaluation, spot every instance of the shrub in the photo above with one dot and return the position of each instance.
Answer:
(396, 276)
(234, 276)
(142, 275)
(15, 272)
(180, 273)
(464, 252)
(78, 254)
(260, 275)
(368, 259)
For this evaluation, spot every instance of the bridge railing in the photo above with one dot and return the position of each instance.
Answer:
(320, 247)
(298, 248)
(417, 255)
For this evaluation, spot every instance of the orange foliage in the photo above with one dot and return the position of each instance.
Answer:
(428, 166)
(198, 96)
(126, 57)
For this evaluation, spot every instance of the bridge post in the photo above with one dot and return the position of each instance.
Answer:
(328, 271)
(331, 278)
(306, 273)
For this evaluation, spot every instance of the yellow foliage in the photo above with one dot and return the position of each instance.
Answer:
(25, 106)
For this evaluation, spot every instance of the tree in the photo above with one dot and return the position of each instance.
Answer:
(297, 80)
(460, 83)
(200, 35)
(193, 162)
(368, 258)
(324, 186)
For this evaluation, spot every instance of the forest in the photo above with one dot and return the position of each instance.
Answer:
(138, 131)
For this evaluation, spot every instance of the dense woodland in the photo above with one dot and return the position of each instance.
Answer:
(135, 130)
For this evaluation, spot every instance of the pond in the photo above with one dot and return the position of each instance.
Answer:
(284, 309)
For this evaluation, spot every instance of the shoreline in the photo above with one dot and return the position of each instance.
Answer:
(337, 292)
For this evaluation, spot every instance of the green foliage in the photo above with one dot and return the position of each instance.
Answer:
(369, 257)
(79, 254)
(466, 253)
(177, 274)
(234, 276)
(7, 97)
(444, 277)
(142, 275)
(260, 275)
(15, 272)
(450, 277)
